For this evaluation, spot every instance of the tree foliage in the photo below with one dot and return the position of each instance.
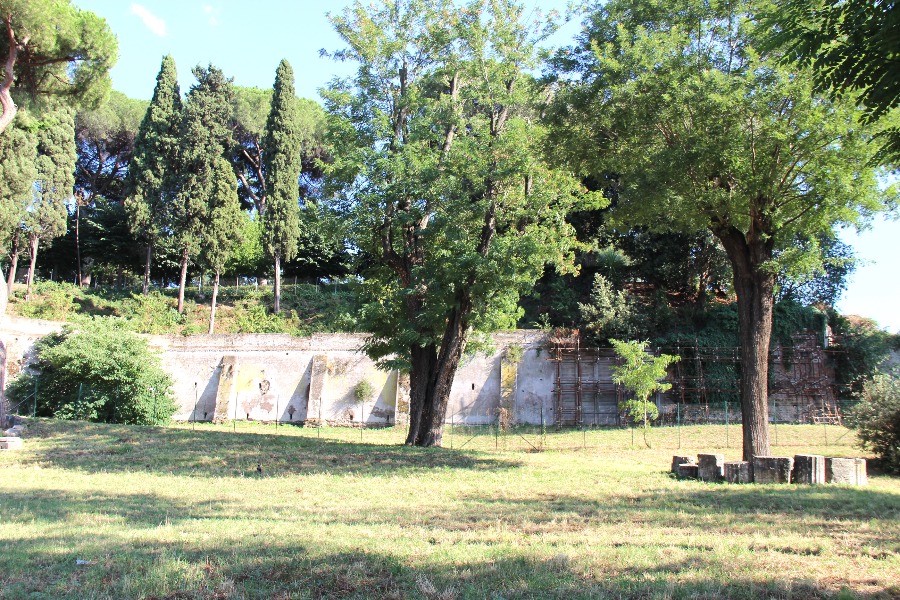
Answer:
(52, 48)
(152, 182)
(205, 138)
(282, 155)
(699, 130)
(852, 48)
(877, 418)
(438, 163)
(98, 372)
(640, 374)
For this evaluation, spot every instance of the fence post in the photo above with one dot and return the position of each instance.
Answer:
(678, 422)
(775, 418)
(727, 439)
(34, 398)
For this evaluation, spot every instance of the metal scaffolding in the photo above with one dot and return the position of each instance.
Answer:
(801, 386)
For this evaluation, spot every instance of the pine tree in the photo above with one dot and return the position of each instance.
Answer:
(282, 154)
(45, 217)
(205, 140)
(225, 224)
(152, 177)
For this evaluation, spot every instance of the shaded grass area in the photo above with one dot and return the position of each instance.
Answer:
(182, 513)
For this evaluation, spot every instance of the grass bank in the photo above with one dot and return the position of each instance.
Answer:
(306, 308)
(183, 513)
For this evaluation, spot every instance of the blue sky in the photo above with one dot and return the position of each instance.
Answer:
(248, 39)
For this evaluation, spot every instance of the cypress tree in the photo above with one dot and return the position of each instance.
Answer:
(45, 217)
(18, 157)
(224, 231)
(152, 176)
(282, 157)
(205, 140)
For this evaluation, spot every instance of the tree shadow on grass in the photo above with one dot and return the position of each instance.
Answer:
(253, 567)
(109, 448)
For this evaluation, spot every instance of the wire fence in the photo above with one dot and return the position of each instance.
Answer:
(680, 426)
(494, 437)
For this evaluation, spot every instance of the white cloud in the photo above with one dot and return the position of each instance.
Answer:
(212, 12)
(153, 23)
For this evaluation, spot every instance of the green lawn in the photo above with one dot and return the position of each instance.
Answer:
(339, 513)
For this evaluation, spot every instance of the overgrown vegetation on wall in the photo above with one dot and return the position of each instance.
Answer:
(306, 308)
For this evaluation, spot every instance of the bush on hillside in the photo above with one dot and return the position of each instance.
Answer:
(877, 418)
(99, 372)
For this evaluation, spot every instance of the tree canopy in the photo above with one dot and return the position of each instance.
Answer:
(852, 46)
(440, 175)
(52, 48)
(676, 108)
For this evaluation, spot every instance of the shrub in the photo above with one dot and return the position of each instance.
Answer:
(877, 418)
(100, 372)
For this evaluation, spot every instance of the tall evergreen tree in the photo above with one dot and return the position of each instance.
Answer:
(152, 176)
(205, 139)
(18, 158)
(45, 217)
(225, 224)
(282, 155)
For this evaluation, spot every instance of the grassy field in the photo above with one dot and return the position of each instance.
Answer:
(97, 511)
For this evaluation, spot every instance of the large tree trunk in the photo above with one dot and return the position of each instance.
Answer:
(34, 250)
(422, 359)
(754, 285)
(149, 258)
(452, 346)
(277, 282)
(212, 310)
(182, 280)
(13, 265)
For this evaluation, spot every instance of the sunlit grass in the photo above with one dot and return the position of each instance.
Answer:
(182, 512)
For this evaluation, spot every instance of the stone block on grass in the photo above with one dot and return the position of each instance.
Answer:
(850, 471)
(738, 471)
(711, 467)
(10, 443)
(772, 469)
(809, 469)
(677, 461)
(687, 471)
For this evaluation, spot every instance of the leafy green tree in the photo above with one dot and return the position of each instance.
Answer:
(224, 227)
(45, 217)
(248, 257)
(281, 218)
(437, 150)
(852, 47)
(701, 130)
(50, 47)
(205, 139)
(153, 175)
(100, 372)
(640, 374)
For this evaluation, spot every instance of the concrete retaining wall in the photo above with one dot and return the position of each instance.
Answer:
(292, 379)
